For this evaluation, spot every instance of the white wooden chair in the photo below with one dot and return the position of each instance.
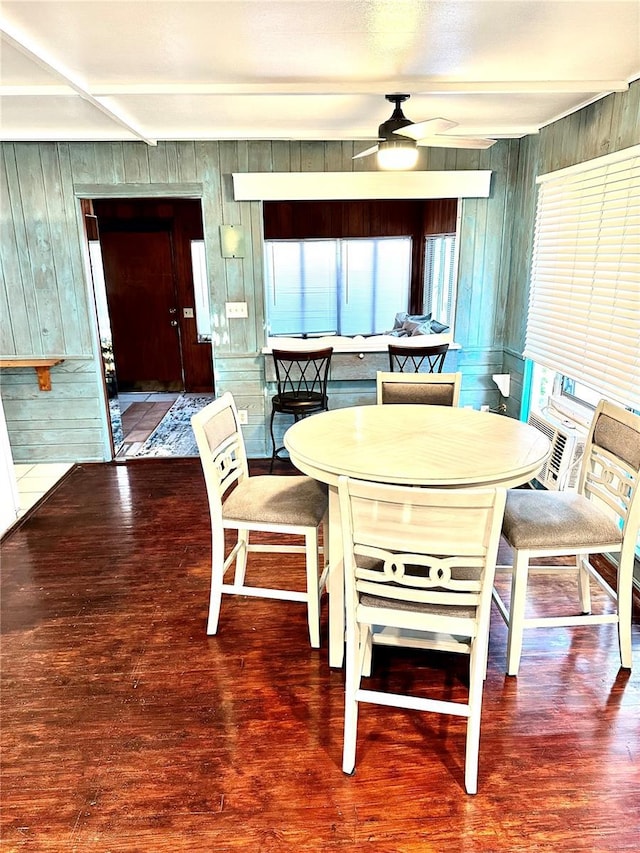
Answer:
(422, 562)
(435, 389)
(603, 516)
(279, 505)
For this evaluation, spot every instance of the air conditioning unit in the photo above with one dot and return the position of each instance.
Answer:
(567, 439)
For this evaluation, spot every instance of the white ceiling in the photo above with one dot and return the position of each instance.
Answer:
(304, 69)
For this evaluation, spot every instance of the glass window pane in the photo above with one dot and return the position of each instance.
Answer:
(349, 287)
(201, 290)
(301, 281)
(375, 284)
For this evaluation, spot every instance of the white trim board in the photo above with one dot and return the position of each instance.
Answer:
(299, 186)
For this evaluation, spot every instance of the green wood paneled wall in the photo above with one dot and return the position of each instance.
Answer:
(45, 295)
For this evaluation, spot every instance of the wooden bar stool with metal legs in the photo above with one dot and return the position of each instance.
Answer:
(302, 386)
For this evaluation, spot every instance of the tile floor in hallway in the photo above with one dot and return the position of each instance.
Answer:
(35, 480)
(141, 413)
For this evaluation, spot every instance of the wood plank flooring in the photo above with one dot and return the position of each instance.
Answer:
(126, 728)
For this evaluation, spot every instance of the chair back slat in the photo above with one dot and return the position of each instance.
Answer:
(419, 546)
(610, 474)
(221, 447)
(302, 374)
(414, 359)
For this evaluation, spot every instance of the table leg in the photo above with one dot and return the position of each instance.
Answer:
(335, 584)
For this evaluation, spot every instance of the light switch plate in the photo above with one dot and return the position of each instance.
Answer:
(187, 313)
(236, 310)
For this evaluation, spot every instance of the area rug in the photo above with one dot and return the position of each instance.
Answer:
(116, 423)
(173, 436)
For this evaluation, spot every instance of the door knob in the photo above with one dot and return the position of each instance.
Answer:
(173, 322)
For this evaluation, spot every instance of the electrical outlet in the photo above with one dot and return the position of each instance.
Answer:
(484, 408)
(243, 416)
(236, 310)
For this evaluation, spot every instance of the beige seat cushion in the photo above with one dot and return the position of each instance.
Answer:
(537, 519)
(278, 500)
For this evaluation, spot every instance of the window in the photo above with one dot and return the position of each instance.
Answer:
(201, 290)
(584, 304)
(580, 392)
(346, 287)
(439, 277)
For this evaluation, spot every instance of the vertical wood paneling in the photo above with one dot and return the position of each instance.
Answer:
(501, 303)
(186, 162)
(434, 158)
(253, 157)
(39, 245)
(158, 163)
(45, 293)
(74, 223)
(237, 289)
(281, 156)
(333, 157)
(295, 156)
(521, 240)
(260, 158)
(17, 302)
(209, 174)
(85, 166)
(312, 157)
(629, 129)
(107, 156)
(136, 163)
(63, 239)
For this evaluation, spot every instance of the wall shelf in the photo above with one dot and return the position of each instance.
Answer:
(42, 367)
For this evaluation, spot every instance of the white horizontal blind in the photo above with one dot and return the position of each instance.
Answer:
(439, 277)
(347, 287)
(584, 302)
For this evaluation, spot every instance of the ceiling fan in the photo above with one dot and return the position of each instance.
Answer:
(399, 138)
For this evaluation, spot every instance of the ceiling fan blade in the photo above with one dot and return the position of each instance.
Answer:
(431, 127)
(455, 142)
(366, 153)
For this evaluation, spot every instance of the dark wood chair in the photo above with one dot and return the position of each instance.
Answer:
(405, 358)
(302, 386)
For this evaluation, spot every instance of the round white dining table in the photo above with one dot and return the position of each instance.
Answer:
(417, 445)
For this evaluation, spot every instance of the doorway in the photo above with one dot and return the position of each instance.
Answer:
(141, 296)
(157, 362)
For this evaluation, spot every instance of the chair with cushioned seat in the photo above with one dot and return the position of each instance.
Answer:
(419, 567)
(603, 516)
(302, 386)
(267, 504)
(405, 358)
(434, 389)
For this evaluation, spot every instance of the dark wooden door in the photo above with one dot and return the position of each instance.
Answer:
(140, 284)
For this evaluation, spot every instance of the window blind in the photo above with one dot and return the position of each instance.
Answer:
(584, 301)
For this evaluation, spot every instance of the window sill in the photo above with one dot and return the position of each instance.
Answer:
(357, 344)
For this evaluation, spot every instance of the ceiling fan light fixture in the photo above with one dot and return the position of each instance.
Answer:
(398, 155)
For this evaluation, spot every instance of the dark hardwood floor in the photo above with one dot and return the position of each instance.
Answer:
(126, 728)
